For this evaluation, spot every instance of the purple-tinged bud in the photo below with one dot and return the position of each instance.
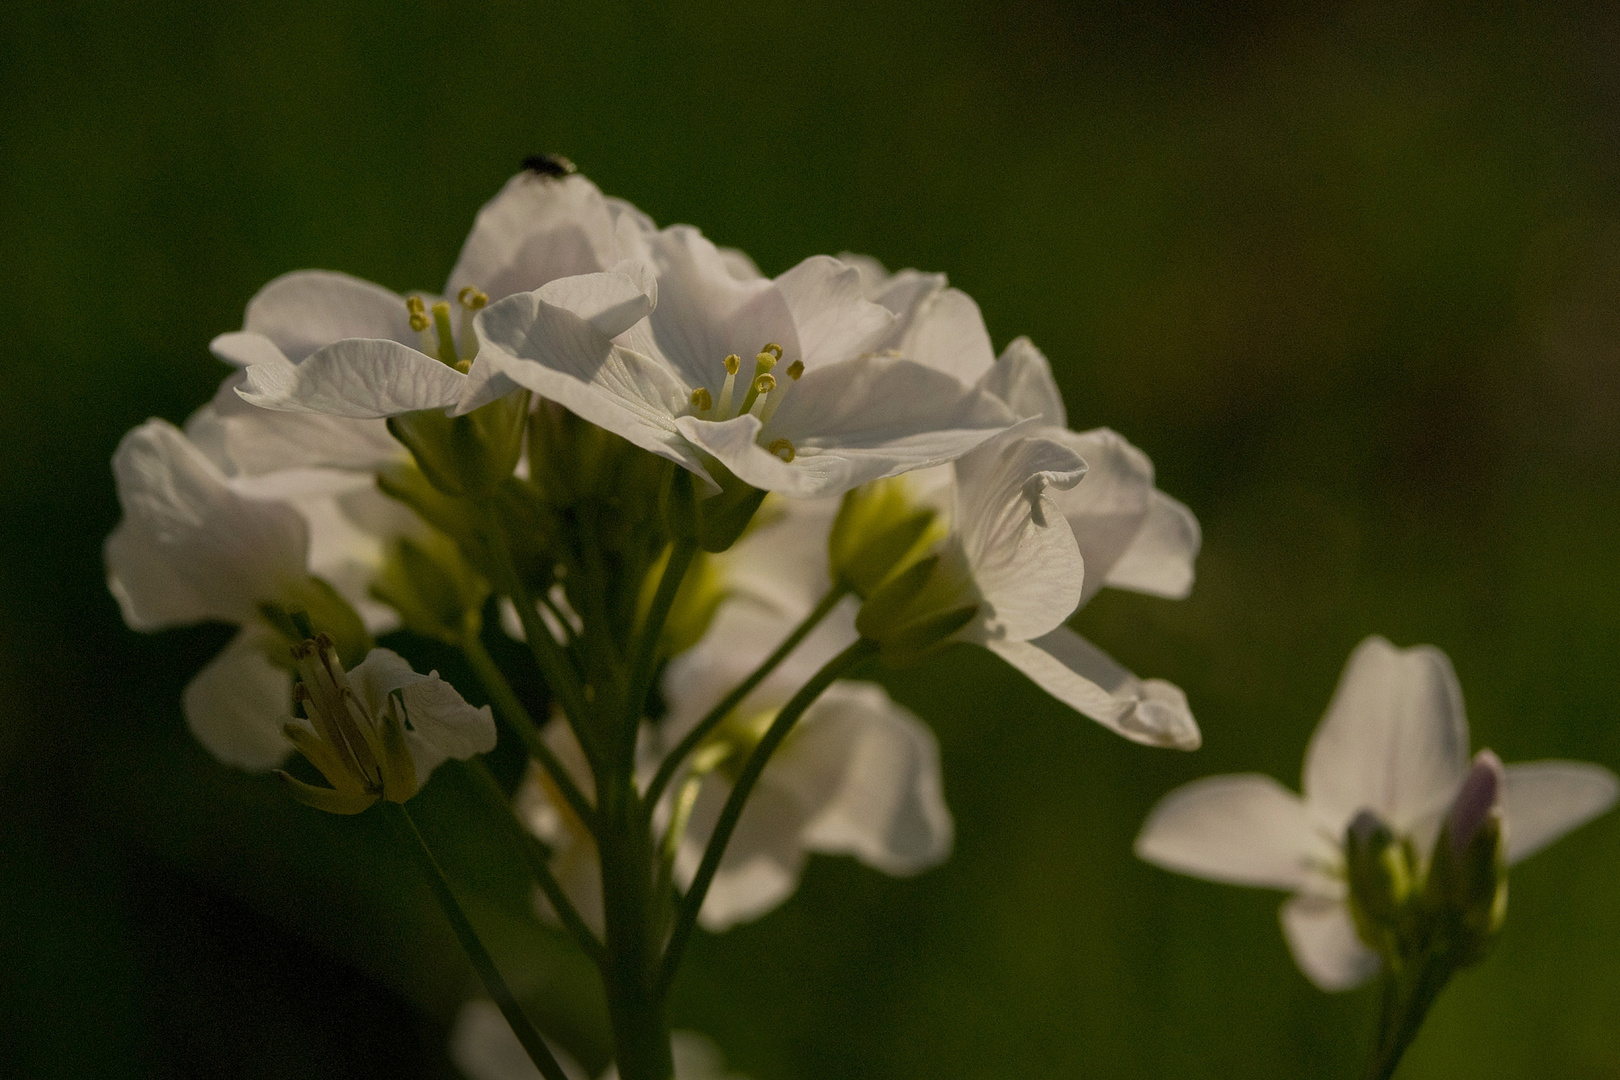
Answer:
(1480, 794)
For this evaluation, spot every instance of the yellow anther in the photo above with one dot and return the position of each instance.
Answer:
(765, 361)
(472, 299)
(796, 369)
(702, 400)
(774, 349)
(783, 449)
(418, 311)
(733, 362)
(764, 384)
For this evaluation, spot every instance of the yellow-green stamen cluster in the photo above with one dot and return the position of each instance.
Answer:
(455, 345)
(363, 757)
(761, 398)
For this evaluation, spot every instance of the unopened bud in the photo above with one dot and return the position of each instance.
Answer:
(1379, 870)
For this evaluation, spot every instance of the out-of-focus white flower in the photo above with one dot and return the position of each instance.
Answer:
(379, 730)
(1130, 535)
(1394, 742)
(858, 775)
(483, 1048)
(321, 342)
(196, 546)
(778, 380)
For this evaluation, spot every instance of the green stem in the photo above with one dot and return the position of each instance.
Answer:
(635, 1005)
(494, 983)
(694, 738)
(644, 658)
(554, 664)
(535, 856)
(840, 665)
(518, 718)
(1407, 1000)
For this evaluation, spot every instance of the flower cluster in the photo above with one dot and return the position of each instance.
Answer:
(711, 503)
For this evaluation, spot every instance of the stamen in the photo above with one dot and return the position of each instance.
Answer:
(733, 362)
(794, 370)
(418, 312)
(471, 300)
(783, 449)
(763, 383)
(447, 341)
(702, 400)
(774, 349)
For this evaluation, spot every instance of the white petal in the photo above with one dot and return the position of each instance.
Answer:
(238, 703)
(534, 231)
(887, 805)
(1107, 509)
(483, 1047)
(562, 357)
(1023, 379)
(1323, 940)
(1394, 739)
(1543, 800)
(189, 547)
(611, 302)
(1159, 561)
(363, 378)
(240, 348)
(440, 723)
(1083, 677)
(1242, 830)
(853, 422)
(1024, 558)
(705, 312)
(254, 441)
(948, 334)
(304, 310)
(831, 314)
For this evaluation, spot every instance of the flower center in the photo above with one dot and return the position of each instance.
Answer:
(456, 346)
(761, 395)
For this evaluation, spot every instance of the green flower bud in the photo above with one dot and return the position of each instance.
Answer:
(435, 591)
(1467, 885)
(1379, 868)
(878, 528)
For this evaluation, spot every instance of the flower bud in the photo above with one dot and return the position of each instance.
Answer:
(917, 611)
(877, 529)
(1379, 869)
(435, 591)
(1467, 886)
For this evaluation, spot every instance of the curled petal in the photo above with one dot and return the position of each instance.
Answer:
(1088, 680)
(306, 309)
(362, 378)
(1022, 378)
(440, 723)
(1159, 560)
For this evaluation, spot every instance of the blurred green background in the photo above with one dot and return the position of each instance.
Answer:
(1351, 277)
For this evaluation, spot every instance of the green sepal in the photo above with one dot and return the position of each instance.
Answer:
(917, 640)
(432, 587)
(714, 521)
(1468, 891)
(323, 608)
(327, 799)
(1379, 871)
(885, 610)
(877, 528)
(469, 454)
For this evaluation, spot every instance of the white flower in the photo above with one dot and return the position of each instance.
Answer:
(378, 730)
(934, 324)
(483, 1048)
(858, 775)
(1130, 535)
(1394, 742)
(195, 546)
(321, 342)
(777, 379)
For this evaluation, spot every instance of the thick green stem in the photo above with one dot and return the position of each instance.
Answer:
(518, 718)
(494, 983)
(1408, 996)
(644, 658)
(840, 665)
(635, 1003)
(693, 738)
(536, 858)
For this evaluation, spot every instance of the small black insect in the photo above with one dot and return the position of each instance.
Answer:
(549, 165)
